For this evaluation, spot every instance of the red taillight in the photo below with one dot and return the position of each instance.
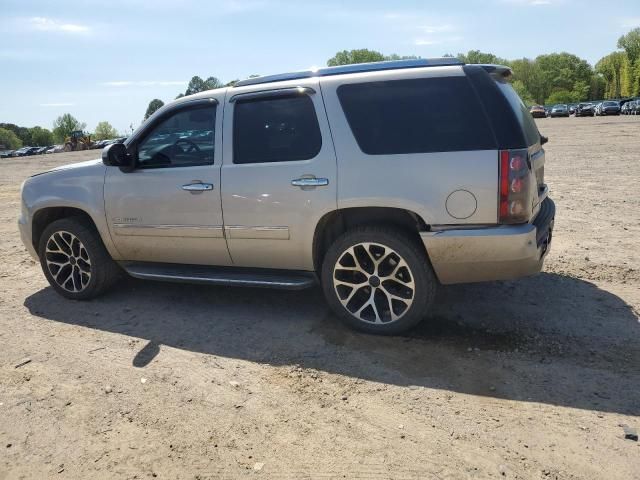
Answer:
(504, 184)
(514, 186)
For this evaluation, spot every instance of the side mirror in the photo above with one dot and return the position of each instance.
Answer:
(116, 155)
(543, 139)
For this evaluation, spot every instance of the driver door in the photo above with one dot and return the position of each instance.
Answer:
(168, 209)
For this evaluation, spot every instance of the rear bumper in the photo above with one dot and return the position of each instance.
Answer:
(493, 253)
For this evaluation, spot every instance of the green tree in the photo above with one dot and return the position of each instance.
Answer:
(630, 43)
(64, 125)
(560, 72)
(104, 131)
(528, 72)
(560, 96)
(9, 139)
(522, 91)
(41, 137)
(21, 132)
(197, 85)
(362, 55)
(610, 67)
(478, 57)
(154, 105)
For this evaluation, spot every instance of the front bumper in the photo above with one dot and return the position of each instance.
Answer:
(493, 253)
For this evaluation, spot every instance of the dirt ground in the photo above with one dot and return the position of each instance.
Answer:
(527, 379)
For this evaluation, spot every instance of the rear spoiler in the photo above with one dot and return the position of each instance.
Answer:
(498, 70)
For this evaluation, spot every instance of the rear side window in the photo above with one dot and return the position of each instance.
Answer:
(529, 128)
(416, 116)
(275, 130)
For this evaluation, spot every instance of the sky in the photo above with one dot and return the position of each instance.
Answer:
(105, 60)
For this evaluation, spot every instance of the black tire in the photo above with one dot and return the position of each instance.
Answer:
(102, 270)
(399, 244)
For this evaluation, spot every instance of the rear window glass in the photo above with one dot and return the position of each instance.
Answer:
(275, 130)
(416, 116)
(525, 119)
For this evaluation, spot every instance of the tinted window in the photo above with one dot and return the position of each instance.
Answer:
(529, 127)
(416, 116)
(184, 139)
(275, 130)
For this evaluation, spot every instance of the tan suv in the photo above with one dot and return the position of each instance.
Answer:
(379, 181)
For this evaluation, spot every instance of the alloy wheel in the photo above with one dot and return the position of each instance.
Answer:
(68, 261)
(374, 283)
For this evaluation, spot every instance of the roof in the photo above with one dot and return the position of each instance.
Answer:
(355, 68)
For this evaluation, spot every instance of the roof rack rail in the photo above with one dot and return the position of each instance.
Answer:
(354, 68)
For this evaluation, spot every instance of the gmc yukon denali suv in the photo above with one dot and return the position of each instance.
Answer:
(379, 181)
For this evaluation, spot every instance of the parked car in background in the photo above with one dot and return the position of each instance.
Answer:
(584, 110)
(634, 107)
(41, 150)
(32, 151)
(624, 108)
(56, 149)
(25, 151)
(561, 110)
(538, 111)
(609, 107)
(6, 153)
(312, 191)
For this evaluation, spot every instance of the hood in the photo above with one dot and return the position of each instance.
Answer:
(72, 166)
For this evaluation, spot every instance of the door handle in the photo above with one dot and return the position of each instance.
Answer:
(310, 182)
(197, 187)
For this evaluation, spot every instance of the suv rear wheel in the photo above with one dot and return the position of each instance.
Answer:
(74, 260)
(378, 280)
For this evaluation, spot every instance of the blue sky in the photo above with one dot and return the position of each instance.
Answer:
(105, 60)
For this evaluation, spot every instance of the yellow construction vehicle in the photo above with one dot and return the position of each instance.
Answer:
(77, 140)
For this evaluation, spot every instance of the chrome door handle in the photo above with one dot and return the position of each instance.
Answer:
(310, 182)
(197, 187)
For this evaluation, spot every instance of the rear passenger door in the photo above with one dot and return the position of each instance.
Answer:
(278, 174)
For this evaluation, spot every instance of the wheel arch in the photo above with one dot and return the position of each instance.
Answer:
(45, 216)
(336, 222)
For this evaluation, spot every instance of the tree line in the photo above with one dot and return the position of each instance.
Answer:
(13, 136)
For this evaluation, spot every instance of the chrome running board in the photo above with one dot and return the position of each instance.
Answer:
(230, 276)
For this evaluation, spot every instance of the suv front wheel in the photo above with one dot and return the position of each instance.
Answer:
(74, 260)
(378, 280)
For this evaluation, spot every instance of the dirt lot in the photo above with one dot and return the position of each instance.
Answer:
(527, 379)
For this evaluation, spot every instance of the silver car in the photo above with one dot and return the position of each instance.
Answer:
(379, 181)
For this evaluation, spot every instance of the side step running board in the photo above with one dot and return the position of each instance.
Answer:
(232, 276)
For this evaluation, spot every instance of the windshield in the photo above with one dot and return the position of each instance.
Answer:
(610, 104)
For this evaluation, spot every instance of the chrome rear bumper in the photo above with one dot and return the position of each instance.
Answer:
(493, 253)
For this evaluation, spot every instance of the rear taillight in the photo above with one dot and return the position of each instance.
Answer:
(514, 186)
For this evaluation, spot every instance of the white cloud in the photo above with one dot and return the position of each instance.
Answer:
(424, 41)
(438, 41)
(144, 83)
(49, 25)
(445, 27)
(57, 104)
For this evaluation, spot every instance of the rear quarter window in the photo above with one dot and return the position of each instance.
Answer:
(526, 121)
(416, 116)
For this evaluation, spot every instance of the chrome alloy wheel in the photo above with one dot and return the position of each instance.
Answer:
(374, 283)
(68, 261)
